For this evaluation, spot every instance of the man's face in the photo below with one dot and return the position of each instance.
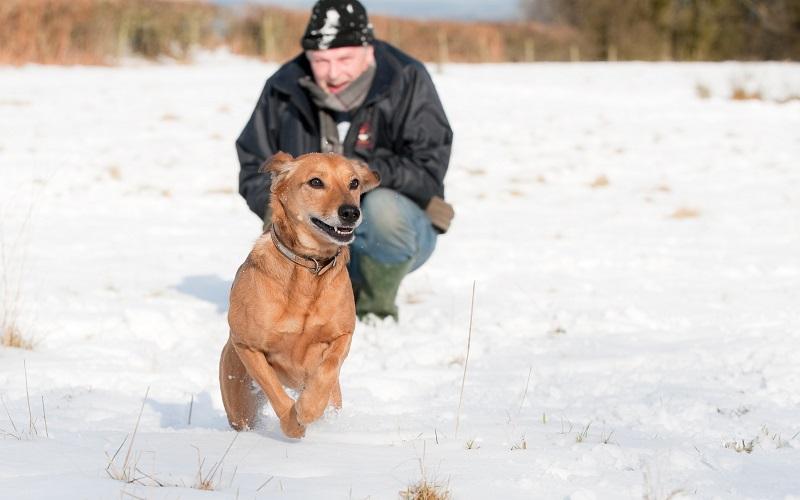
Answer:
(335, 69)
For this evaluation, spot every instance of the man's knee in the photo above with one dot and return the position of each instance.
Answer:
(388, 223)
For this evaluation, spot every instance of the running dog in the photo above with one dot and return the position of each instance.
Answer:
(292, 311)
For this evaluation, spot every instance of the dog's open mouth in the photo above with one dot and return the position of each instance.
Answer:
(342, 234)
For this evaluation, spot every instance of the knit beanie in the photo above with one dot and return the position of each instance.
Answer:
(337, 23)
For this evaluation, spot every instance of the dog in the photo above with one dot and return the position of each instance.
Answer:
(292, 311)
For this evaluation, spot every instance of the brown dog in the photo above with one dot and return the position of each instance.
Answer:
(292, 311)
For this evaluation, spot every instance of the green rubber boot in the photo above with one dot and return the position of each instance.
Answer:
(378, 292)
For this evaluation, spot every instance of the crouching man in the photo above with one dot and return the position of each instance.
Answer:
(354, 95)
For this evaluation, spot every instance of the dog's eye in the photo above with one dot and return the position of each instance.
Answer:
(316, 183)
(354, 184)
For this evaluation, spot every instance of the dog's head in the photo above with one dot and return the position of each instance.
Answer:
(318, 196)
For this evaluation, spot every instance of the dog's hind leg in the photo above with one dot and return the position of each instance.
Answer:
(241, 404)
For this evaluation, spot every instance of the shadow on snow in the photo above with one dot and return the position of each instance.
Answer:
(207, 287)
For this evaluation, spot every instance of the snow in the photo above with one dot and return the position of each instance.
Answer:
(635, 249)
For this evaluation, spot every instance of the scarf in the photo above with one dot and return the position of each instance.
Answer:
(335, 110)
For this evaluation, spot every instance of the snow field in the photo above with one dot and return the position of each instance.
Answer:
(635, 249)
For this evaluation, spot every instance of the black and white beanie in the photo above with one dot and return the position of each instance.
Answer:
(337, 23)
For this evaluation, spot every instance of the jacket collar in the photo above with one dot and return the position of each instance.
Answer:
(385, 73)
(285, 82)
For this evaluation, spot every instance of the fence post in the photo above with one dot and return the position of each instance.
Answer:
(394, 33)
(666, 50)
(612, 53)
(267, 38)
(530, 50)
(444, 52)
(123, 36)
(574, 53)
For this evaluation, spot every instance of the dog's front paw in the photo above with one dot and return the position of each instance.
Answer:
(290, 426)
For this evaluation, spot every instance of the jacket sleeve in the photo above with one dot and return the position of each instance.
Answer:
(255, 144)
(417, 165)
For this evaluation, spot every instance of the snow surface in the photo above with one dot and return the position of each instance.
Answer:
(636, 250)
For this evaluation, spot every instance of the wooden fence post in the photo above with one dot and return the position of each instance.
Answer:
(574, 53)
(444, 52)
(530, 50)
(612, 53)
(268, 38)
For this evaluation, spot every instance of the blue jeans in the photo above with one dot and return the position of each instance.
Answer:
(393, 230)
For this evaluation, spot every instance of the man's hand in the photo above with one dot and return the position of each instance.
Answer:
(440, 213)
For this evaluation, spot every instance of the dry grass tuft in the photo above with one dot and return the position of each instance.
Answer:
(425, 491)
(12, 337)
(776, 437)
(765, 437)
(12, 273)
(600, 181)
(685, 213)
(702, 91)
(127, 471)
(789, 98)
(208, 481)
(115, 172)
(221, 190)
(414, 298)
(742, 446)
(584, 434)
(20, 433)
(522, 445)
(742, 94)
(476, 172)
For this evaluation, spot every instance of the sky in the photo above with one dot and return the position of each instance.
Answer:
(443, 9)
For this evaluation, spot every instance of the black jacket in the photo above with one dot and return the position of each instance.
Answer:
(401, 130)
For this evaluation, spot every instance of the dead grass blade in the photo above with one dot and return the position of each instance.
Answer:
(206, 482)
(128, 470)
(466, 359)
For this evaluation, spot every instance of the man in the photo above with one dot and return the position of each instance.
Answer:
(353, 95)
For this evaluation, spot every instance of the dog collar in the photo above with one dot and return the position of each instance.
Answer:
(316, 266)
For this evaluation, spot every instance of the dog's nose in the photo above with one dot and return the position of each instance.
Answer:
(349, 213)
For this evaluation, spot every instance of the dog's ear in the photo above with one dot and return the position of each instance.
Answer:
(278, 167)
(369, 178)
(279, 163)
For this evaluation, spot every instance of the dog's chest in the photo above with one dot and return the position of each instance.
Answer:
(296, 353)
(294, 333)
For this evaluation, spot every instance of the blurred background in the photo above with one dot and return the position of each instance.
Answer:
(106, 31)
